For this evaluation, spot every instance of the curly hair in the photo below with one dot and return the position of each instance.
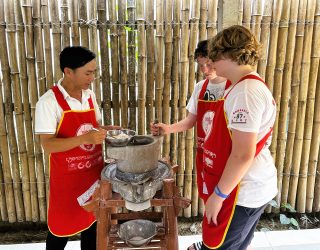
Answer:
(236, 43)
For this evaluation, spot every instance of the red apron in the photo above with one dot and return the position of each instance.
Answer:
(72, 173)
(214, 148)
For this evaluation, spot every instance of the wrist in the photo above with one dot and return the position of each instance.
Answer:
(218, 192)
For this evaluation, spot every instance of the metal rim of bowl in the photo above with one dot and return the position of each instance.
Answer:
(140, 242)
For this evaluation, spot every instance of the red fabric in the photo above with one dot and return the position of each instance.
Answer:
(72, 172)
(214, 148)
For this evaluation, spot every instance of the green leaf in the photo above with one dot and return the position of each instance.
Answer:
(294, 222)
(127, 28)
(265, 229)
(273, 203)
(284, 220)
(289, 207)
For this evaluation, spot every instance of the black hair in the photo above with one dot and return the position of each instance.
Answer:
(201, 50)
(74, 57)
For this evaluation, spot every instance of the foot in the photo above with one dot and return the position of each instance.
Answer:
(195, 246)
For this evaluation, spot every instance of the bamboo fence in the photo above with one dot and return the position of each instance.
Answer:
(146, 71)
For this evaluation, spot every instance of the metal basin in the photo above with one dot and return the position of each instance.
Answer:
(139, 156)
(137, 190)
(119, 137)
(136, 233)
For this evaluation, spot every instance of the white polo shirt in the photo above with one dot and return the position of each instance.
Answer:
(48, 112)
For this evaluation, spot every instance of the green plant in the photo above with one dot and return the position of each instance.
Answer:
(284, 220)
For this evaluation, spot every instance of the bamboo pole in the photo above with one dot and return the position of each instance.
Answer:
(285, 95)
(105, 63)
(159, 42)
(255, 24)
(47, 42)
(315, 141)
(56, 40)
(150, 64)
(203, 31)
(8, 210)
(246, 13)
(167, 75)
(131, 7)
(295, 82)
(264, 37)
(123, 63)
(141, 66)
(3, 203)
(316, 190)
(83, 25)
(65, 24)
(39, 47)
(175, 78)
(256, 18)
(18, 112)
(280, 53)
(33, 97)
(75, 36)
(212, 18)
(189, 159)
(94, 48)
(114, 61)
(302, 99)
(272, 50)
(183, 79)
(41, 77)
(306, 105)
(8, 106)
(27, 113)
(159, 58)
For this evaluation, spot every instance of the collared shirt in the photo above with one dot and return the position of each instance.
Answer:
(48, 112)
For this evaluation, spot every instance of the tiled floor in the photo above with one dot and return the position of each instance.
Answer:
(273, 240)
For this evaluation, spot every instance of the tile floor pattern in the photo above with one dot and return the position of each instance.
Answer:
(274, 240)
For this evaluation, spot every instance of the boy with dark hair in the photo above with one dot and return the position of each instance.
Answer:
(215, 86)
(64, 118)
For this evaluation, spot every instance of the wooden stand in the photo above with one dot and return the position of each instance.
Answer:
(167, 235)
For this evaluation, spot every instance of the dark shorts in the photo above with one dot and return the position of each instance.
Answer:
(241, 229)
(87, 242)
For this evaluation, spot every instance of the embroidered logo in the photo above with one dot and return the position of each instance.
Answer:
(83, 129)
(240, 116)
(207, 121)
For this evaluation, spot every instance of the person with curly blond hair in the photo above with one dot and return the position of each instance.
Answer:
(237, 169)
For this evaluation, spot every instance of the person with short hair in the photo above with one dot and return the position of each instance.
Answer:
(214, 88)
(238, 169)
(67, 118)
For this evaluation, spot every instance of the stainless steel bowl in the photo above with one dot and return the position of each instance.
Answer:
(136, 233)
(114, 140)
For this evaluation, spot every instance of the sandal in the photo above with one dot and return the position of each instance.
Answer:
(195, 246)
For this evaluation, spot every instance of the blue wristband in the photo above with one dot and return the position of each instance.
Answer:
(219, 193)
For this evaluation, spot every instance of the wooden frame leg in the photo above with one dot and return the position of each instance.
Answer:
(104, 217)
(172, 233)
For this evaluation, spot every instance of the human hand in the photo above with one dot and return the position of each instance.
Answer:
(159, 128)
(213, 207)
(95, 136)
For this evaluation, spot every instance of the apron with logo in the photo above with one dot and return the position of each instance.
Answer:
(73, 173)
(216, 148)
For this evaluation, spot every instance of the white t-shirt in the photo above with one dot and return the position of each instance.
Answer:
(214, 91)
(48, 112)
(250, 108)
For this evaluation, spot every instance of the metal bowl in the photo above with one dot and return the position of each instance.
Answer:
(115, 140)
(136, 233)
